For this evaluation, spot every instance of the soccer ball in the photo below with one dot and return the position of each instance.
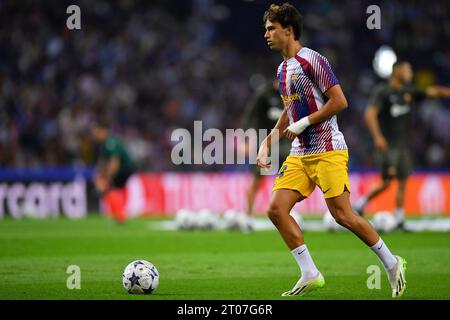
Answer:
(185, 219)
(384, 221)
(297, 217)
(230, 218)
(140, 277)
(235, 220)
(241, 221)
(330, 224)
(206, 219)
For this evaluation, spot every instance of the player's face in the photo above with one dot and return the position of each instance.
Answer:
(276, 36)
(406, 73)
(403, 73)
(98, 134)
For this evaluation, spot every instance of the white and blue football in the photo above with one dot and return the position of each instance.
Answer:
(185, 219)
(384, 221)
(140, 277)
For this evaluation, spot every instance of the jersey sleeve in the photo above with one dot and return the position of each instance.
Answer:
(280, 77)
(112, 148)
(322, 73)
(377, 97)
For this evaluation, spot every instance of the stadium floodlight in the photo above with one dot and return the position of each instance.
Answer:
(384, 58)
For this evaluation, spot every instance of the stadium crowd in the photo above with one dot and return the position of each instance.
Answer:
(154, 66)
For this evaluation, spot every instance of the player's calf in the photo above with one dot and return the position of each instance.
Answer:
(342, 212)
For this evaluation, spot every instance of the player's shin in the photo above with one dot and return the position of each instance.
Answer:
(116, 200)
(305, 262)
(384, 254)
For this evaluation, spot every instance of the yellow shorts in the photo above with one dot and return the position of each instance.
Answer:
(328, 170)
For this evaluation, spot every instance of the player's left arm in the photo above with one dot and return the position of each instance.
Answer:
(335, 104)
(112, 167)
(99, 178)
(106, 171)
(437, 92)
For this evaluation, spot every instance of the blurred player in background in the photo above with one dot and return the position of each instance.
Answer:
(114, 167)
(387, 117)
(262, 112)
(312, 97)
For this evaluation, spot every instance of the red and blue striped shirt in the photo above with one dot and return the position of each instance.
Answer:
(304, 79)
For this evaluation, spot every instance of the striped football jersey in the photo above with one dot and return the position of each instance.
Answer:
(304, 79)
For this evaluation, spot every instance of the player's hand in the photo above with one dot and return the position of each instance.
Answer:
(101, 183)
(289, 134)
(296, 128)
(263, 154)
(381, 143)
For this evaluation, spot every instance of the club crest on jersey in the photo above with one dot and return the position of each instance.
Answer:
(294, 77)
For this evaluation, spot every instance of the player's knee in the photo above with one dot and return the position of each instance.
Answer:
(345, 222)
(343, 217)
(274, 213)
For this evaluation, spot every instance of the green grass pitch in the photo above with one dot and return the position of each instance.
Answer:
(35, 254)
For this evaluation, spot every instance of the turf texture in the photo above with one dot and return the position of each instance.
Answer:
(35, 255)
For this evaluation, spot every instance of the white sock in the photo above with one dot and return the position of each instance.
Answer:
(305, 262)
(399, 214)
(361, 203)
(384, 254)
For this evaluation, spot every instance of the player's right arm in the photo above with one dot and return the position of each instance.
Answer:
(112, 167)
(99, 179)
(371, 118)
(109, 164)
(275, 135)
(438, 92)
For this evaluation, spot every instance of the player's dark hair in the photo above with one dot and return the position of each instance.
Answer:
(101, 122)
(398, 63)
(286, 15)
